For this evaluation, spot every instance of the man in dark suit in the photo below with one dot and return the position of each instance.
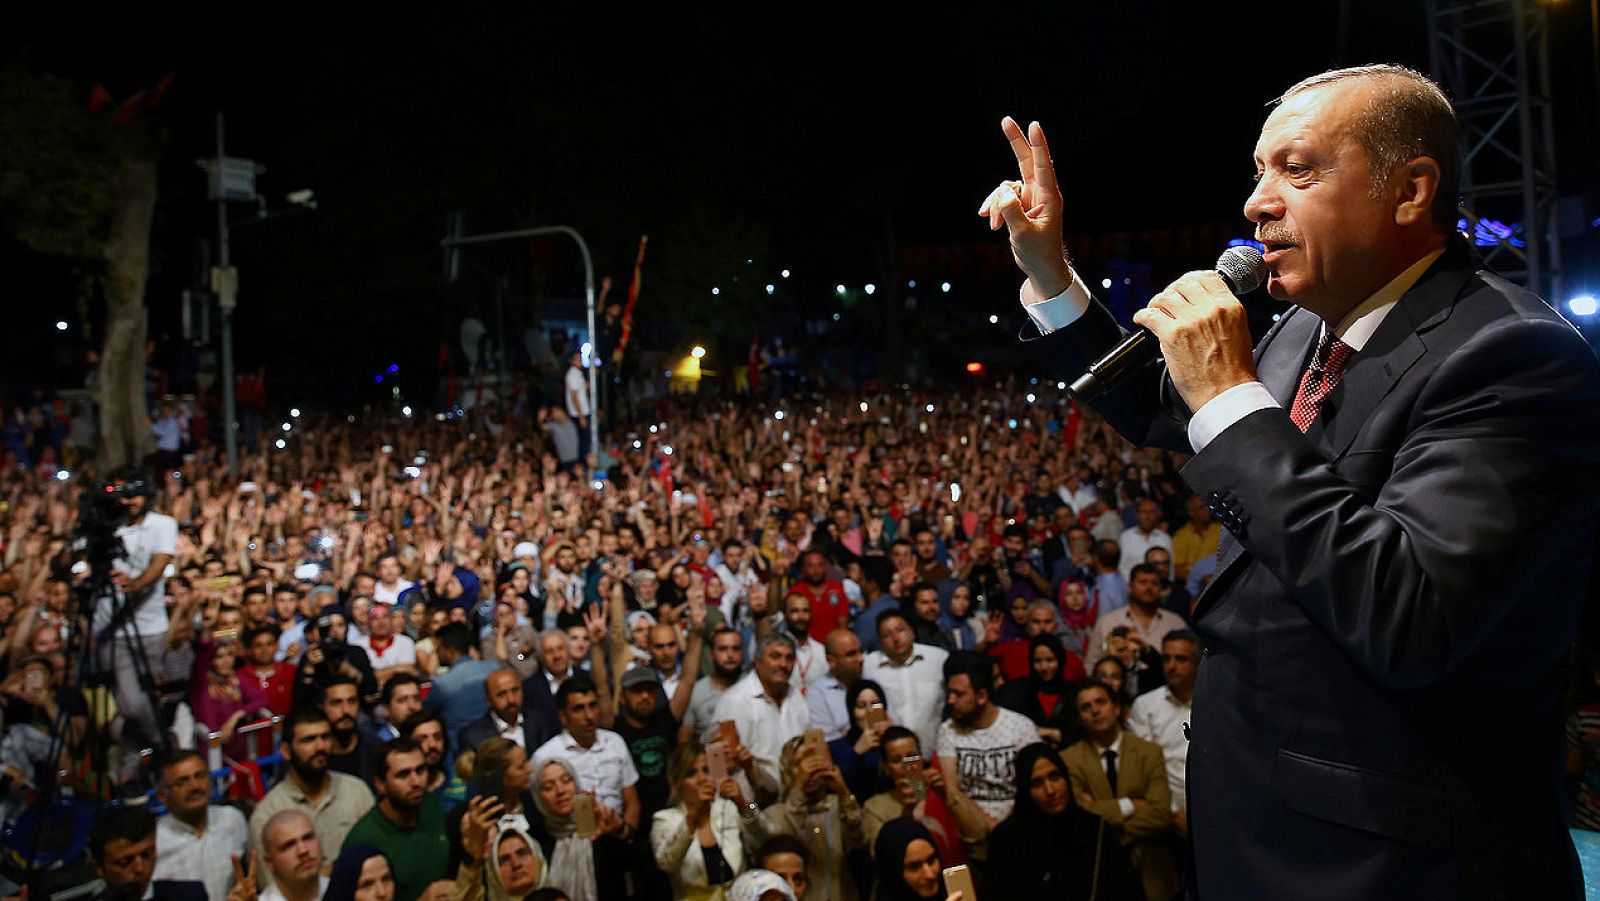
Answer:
(122, 847)
(509, 717)
(1409, 512)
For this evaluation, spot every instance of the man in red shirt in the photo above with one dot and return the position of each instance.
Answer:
(275, 677)
(829, 607)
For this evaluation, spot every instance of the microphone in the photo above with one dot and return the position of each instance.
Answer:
(1241, 269)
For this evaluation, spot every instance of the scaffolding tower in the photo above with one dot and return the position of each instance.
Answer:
(1493, 59)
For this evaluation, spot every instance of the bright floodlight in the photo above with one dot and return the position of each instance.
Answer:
(771, 288)
(61, 325)
(929, 408)
(666, 449)
(280, 444)
(1061, 386)
(1105, 283)
(870, 288)
(778, 415)
(839, 288)
(1032, 398)
(911, 284)
(993, 319)
(405, 411)
(715, 291)
(294, 412)
(863, 406)
(287, 427)
(784, 273)
(945, 287)
(1583, 305)
(698, 352)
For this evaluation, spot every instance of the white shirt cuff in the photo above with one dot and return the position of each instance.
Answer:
(1058, 312)
(1126, 806)
(1226, 409)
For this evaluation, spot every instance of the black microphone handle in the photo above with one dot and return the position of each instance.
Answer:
(1136, 349)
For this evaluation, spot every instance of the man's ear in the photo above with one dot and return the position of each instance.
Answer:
(1418, 188)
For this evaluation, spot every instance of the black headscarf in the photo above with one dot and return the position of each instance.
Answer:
(1057, 685)
(346, 872)
(1025, 810)
(850, 696)
(890, 853)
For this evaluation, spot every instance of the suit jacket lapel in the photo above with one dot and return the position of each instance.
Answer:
(1099, 785)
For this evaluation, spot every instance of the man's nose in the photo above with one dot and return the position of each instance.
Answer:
(1264, 202)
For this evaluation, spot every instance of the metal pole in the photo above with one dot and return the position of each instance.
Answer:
(588, 288)
(229, 413)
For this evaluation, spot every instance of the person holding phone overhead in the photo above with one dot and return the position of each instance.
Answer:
(700, 842)
(817, 808)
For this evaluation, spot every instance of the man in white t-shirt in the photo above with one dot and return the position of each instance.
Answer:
(977, 746)
(390, 583)
(576, 392)
(131, 629)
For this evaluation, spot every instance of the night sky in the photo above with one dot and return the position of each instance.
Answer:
(825, 142)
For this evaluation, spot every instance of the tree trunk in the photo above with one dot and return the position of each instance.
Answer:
(124, 422)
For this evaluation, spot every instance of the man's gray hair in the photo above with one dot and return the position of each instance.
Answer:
(772, 638)
(1409, 116)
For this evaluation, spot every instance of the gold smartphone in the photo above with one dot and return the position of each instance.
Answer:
(717, 762)
(816, 742)
(959, 879)
(583, 815)
(876, 714)
(728, 734)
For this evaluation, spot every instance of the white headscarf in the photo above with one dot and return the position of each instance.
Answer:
(754, 885)
(572, 861)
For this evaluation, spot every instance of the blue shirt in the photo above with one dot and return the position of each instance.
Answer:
(458, 694)
(1112, 592)
(866, 627)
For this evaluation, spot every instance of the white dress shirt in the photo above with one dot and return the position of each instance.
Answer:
(604, 768)
(273, 893)
(1158, 717)
(763, 723)
(915, 689)
(1234, 404)
(810, 663)
(184, 855)
(1124, 804)
(512, 731)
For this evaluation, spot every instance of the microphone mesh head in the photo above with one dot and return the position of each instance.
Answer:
(1242, 268)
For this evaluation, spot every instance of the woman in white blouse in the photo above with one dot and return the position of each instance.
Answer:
(699, 843)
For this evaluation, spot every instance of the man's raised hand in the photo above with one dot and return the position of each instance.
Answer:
(1031, 210)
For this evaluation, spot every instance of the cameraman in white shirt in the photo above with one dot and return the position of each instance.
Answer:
(130, 629)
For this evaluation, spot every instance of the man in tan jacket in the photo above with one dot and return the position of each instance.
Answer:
(1123, 779)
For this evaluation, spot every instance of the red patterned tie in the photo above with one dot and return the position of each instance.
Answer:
(1327, 368)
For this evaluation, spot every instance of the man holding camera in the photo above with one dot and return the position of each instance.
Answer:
(130, 627)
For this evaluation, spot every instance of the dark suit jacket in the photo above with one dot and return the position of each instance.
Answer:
(1141, 776)
(535, 731)
(1414, 562)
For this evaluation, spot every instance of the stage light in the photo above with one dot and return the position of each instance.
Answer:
(778, 415)
(1583, 305)
(1061, 386)
(835, 317)
(715, 291)
(61, 325)
(62, 475)
(945, 287)
(405, 411)
(280, 444)
(287, 427)
(1032, 398)
(784, 273)
(911, 284)
(771, 288)
(838, 289)
(294, 412)
(1105, 283)
(863, 406)
(929, 408)
(993, 319)
(975, 368)
(666, 449)
(870, 288)
(394, 367)
(697, 352)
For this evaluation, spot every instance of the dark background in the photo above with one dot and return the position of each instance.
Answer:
(848, 146)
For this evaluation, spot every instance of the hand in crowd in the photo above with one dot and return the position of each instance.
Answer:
(244, 878)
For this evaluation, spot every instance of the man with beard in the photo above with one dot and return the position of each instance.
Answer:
(727, 665)
(195, 841)
(427, 730)
(508, 716)
(767, 712)
(809, 657)
(408, 824)
(334, 801)
(349, 748)
(924, 611)
(829, 607)
(402, 699)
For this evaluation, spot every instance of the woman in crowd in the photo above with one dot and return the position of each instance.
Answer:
(498, 762)
(220, 699)
(700, 843)
(761, 885)
(1044, 696)
(586, 869)
(816, 807)
(360, 873)
(908, 863)
(427, 651)
(957, 619)
(639, 624)
(1114, 674)
(856, 753)
(1051, 845)
(1078, 616)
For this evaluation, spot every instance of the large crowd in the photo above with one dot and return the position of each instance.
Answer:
(823, 648)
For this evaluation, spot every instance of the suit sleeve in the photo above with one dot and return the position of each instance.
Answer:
(1154, 817)
(1108, 809)
(1488, 490)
